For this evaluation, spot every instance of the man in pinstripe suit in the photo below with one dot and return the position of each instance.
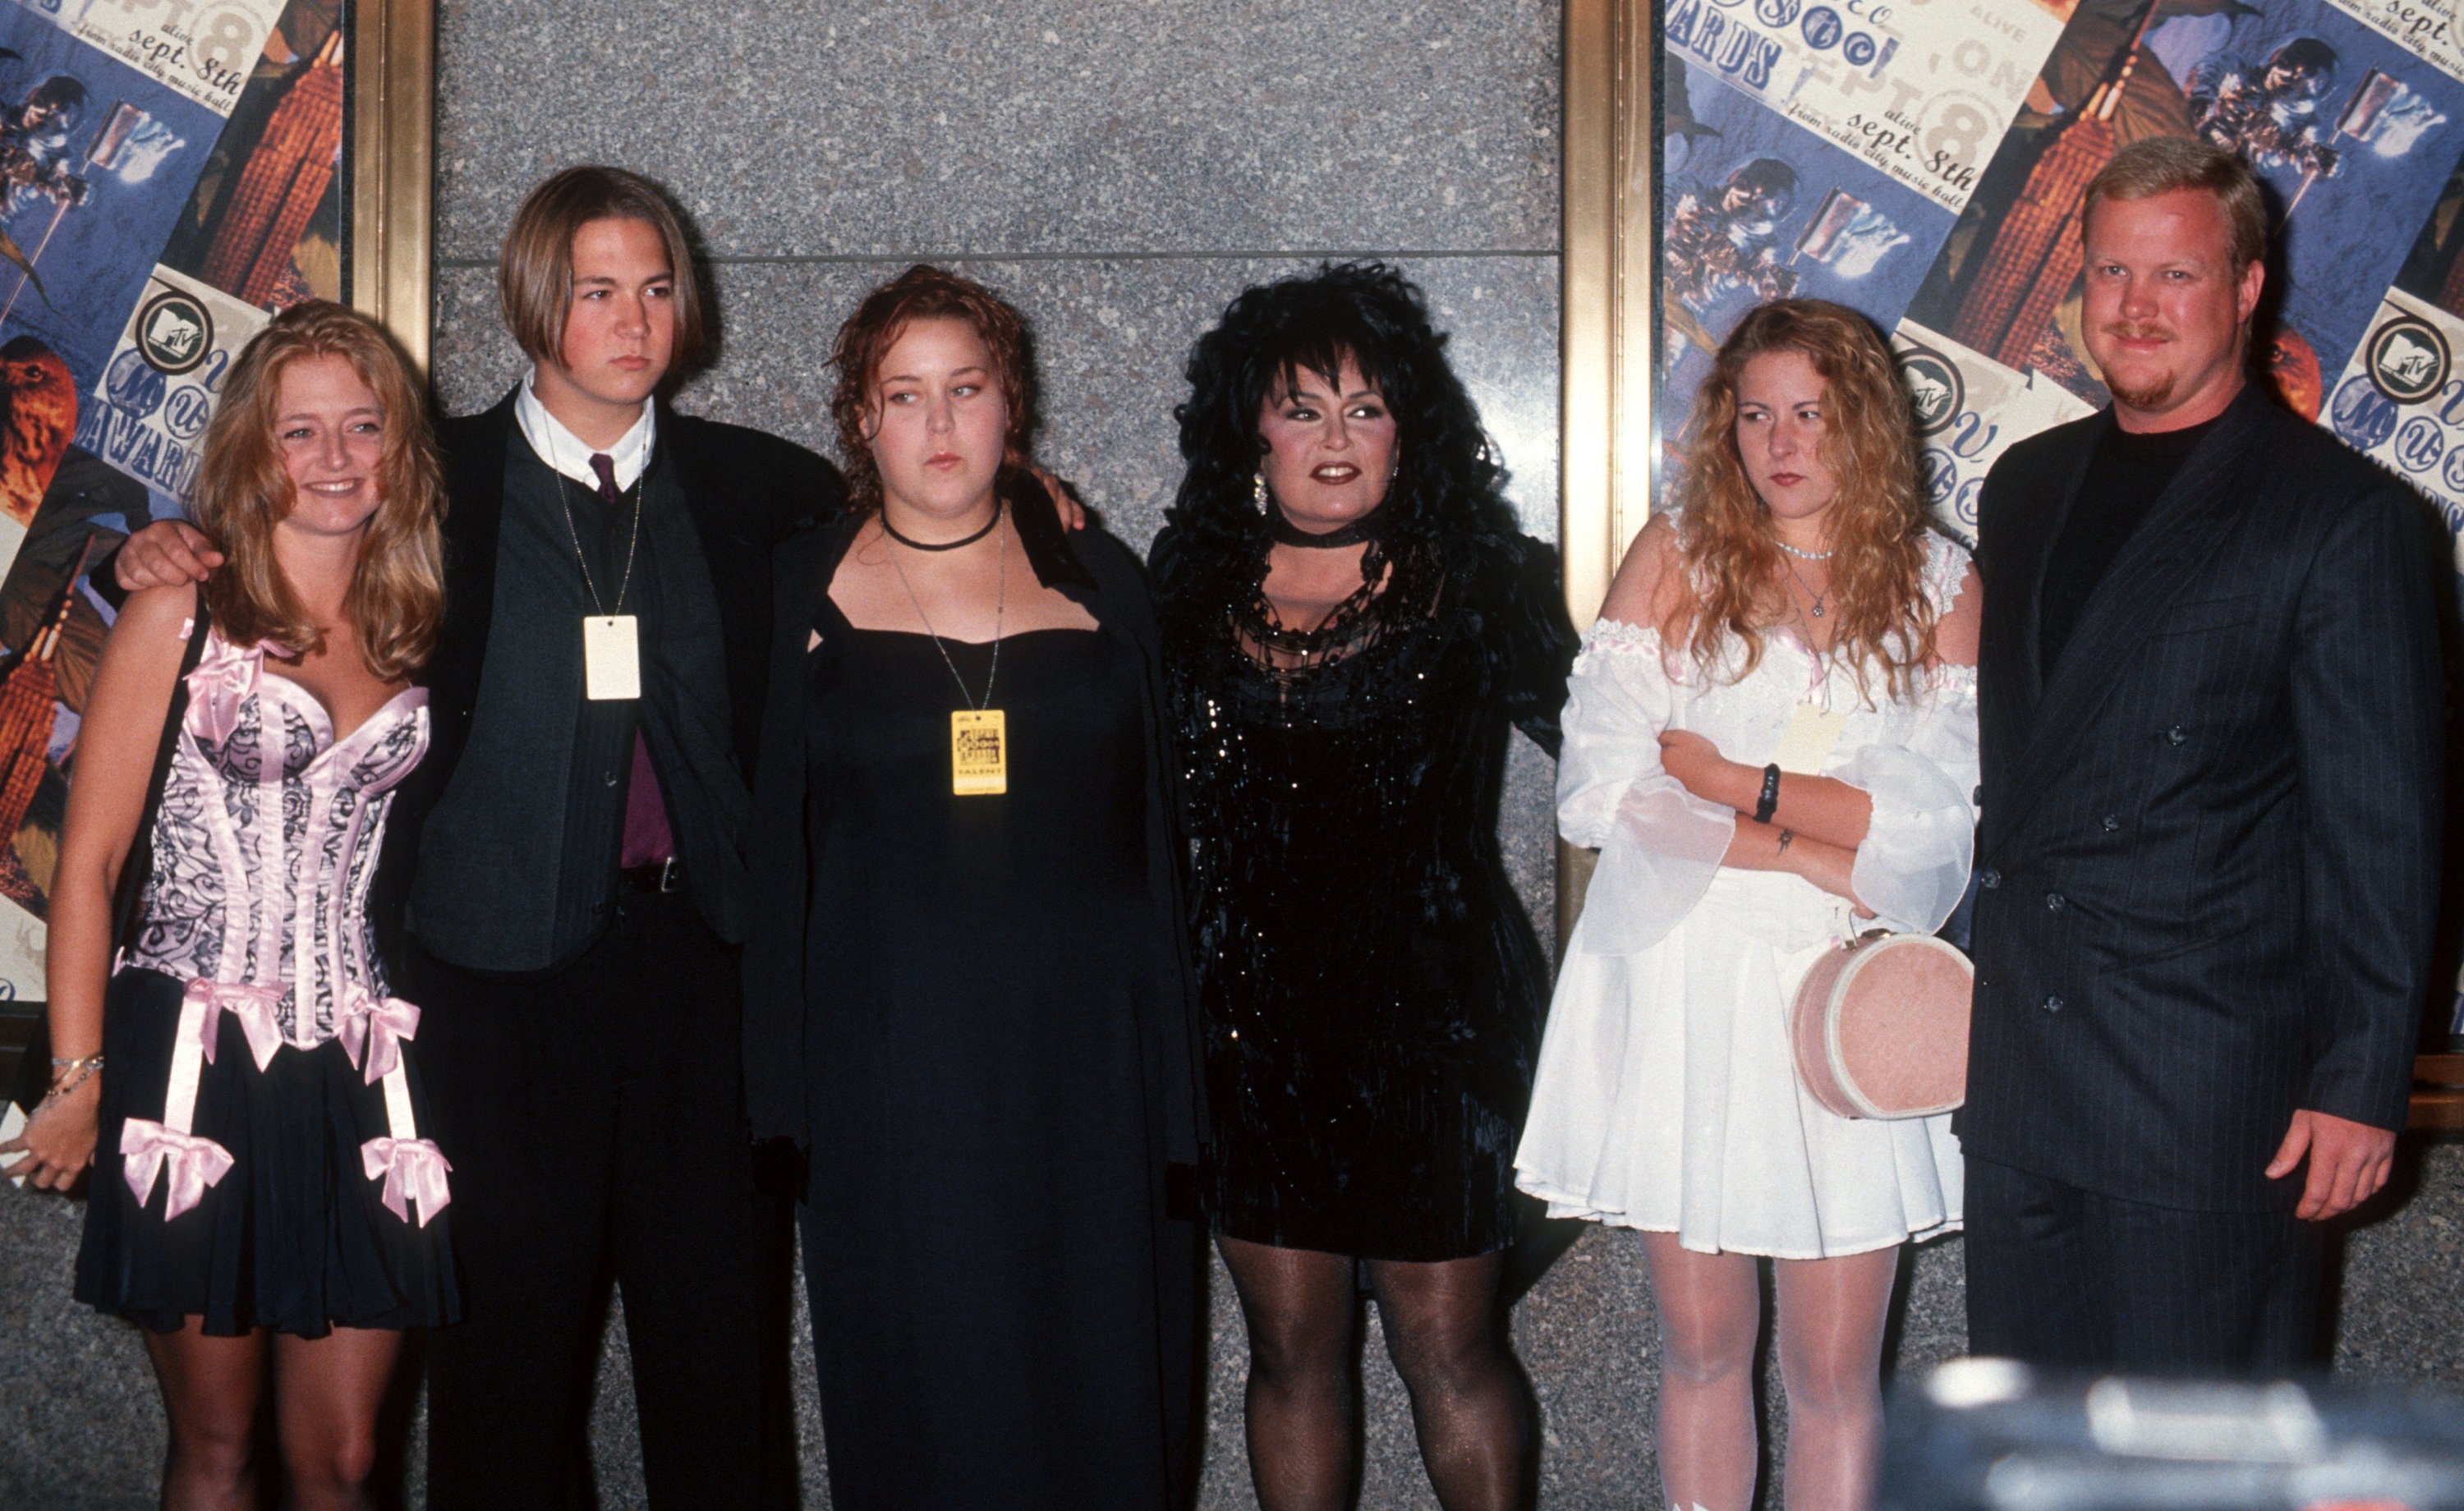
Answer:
(2211, 723)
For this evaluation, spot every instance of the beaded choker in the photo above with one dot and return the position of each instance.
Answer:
(1288, 654)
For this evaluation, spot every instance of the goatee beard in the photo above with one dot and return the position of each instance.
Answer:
(2157, 393)
(2149, 398)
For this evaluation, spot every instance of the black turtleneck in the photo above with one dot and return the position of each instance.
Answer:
(2128, 474)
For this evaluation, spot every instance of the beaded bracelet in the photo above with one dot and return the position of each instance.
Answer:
(67, 1075)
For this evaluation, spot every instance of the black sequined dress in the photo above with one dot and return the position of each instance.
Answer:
(1372, 990)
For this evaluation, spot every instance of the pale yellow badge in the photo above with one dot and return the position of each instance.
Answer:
(611, 657)
(978, 753)
(1806, 743)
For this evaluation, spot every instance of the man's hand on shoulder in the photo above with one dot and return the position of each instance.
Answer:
(2348, 1162)
(164, 554)
(1065, 506)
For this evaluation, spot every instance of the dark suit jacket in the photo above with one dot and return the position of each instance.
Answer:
(2208, 858)
(1102, 575)
(748, 491)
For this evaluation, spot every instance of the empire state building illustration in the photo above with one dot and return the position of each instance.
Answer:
(284, 180)
(2034, 260)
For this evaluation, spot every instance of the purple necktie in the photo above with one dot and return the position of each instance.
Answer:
(647, 839)
(603, 465)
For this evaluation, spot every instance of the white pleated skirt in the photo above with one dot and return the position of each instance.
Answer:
(1667, 1097)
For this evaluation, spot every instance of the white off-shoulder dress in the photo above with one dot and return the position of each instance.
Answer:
(1667, 1099)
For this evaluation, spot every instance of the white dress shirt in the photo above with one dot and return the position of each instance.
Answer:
(563, 450)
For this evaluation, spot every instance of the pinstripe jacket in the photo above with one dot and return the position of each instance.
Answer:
(2209, 854)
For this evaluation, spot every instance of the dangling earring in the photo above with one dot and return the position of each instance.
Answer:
(1258, 493)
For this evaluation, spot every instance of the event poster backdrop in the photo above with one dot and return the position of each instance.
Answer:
(1921, 161)
(168, 179)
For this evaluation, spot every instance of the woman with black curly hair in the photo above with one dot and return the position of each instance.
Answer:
(1351, 621)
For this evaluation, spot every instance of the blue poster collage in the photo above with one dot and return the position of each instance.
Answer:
(163, 191)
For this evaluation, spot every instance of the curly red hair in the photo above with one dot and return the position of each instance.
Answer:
(1730, 568)
(925, 293)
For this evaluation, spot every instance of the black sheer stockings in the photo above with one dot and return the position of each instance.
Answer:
(1445, 1333)
(327, 1395)
(1299, 1308)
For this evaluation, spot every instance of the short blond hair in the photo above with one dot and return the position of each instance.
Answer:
(397, 594)
(2163, 164)
(535, 272)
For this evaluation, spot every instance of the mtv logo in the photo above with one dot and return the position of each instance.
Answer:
(172, 334)
(1931, 394)
(2407, 360)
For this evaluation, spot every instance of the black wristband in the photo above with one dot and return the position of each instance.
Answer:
(1768, 803)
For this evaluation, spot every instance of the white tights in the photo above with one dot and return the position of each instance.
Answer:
(1831, 1317)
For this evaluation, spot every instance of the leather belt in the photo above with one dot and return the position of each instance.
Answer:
(658, 876)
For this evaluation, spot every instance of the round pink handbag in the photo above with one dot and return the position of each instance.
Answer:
(1880, 1026)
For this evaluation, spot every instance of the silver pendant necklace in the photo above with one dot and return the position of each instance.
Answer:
(1817, 598)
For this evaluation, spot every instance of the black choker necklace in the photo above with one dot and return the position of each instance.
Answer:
(892, 531)
(1284, 533)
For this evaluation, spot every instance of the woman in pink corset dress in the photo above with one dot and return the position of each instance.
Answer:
(267, 1203)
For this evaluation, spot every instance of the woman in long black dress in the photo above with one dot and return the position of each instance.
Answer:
(1351, 624)
(968, 995)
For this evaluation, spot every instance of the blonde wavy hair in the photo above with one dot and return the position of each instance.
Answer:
(1731, 586)
(397, 595)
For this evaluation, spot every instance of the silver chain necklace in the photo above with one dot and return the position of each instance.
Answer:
(573, 536)
(566, 504)
(1001, 601)
(1800, 578)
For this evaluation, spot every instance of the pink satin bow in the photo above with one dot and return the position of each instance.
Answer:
(414, 1170)
(224, 678)
(372, 1029)
(190, 1163)
(254, 1006)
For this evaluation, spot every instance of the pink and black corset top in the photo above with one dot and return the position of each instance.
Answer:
(266, 842)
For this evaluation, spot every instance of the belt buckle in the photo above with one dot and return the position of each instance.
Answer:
(669, 881)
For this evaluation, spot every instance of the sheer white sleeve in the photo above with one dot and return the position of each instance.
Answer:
(1914, 862)
(1660, 845)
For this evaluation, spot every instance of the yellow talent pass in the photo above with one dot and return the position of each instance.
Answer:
(978, 753)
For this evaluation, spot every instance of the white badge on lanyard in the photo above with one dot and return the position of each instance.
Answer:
(1807, 741)
(611, 657)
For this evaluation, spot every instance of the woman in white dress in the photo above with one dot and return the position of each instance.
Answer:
(1771, 738)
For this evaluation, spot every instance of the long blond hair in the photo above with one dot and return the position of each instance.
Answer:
(396, 595)
(1729, 565)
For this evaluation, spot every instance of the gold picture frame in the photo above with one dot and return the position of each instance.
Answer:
(393, 158)
(1608, 441)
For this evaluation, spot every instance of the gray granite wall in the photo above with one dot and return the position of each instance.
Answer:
(1120, 168)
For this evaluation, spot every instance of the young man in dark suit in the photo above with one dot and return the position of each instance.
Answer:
(2209, 690)
(567, 866)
